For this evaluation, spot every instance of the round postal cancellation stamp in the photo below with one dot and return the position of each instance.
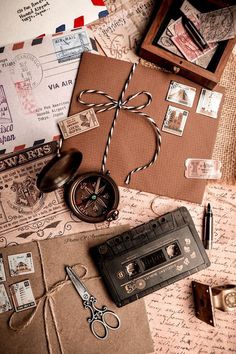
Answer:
(27, 68)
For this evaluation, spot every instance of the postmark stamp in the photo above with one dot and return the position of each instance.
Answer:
(21, 263)
(27, 68)
(181, 94)
(175, 121)
(5, 115)
(25, 95)
(5, 304)
(78, 123)
(71, 46)
(22, 295)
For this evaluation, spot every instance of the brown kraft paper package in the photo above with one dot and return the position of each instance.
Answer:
(70, 316)
(133, 141)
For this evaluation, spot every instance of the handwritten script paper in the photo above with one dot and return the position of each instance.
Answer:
(120, 33)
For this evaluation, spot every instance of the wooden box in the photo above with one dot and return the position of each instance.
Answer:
(152, 52)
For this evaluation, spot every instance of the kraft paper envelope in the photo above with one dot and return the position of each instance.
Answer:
(70, 316)
(24, 19)
(133, 140)
(36, 83)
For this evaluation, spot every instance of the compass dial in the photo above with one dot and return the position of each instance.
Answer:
(93, 196)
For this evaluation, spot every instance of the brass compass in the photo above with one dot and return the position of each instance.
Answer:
(93, 197)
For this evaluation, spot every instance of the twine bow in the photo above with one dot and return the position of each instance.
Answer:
(47, 299)
(122, 104)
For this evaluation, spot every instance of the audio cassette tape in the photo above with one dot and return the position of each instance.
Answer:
(150, 256)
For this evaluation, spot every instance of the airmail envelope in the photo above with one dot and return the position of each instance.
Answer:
(36, 83)
(25, 19)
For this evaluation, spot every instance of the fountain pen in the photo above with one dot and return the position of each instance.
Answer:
(208, 228)
(194, 33)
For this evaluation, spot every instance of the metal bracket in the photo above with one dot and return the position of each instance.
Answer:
(207, 299)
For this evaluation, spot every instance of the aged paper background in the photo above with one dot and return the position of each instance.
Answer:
(173, 326)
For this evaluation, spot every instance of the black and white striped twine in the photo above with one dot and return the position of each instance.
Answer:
(122, 104)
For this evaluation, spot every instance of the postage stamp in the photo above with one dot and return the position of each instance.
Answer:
(218, 25)
(22, 295)
(175, 121)
(5, 304)
(5, 115)
(2, 270)
(181, 94)
(78, 123)
(21, 263)
(25, 95)
(27, 68)
(203, 169)
(71, 46)
(209, 103)
(184, 43)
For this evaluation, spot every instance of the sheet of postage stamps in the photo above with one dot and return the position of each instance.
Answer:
(184, 42)
(209, 103)
(175, 120)
(78, 123)
(203, 169)
(21, 263)
(5, 304)
(181, 94)
(22, 295)
(2, 270)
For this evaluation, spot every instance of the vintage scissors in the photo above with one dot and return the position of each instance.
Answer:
(101, 320)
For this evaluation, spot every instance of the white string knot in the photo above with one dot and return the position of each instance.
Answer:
(118, 105)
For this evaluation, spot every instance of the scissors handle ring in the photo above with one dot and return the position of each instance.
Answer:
(92, 327)
(106, 326)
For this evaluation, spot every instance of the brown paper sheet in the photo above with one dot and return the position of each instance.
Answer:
(133, 141)
(70, 316)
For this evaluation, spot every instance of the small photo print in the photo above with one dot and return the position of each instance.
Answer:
(181, 94)
(175, 121)
(21, 264)
(209, 103)
(2, 270)
(5, 304)
(22, 295)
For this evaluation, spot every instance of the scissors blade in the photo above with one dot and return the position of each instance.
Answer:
(79, 286)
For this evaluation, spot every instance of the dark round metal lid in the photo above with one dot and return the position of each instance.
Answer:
(59, 170)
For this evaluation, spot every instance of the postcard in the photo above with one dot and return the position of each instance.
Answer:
(38, 17)
(218, 25)
(209, 103)
(22, 295)
(2, 270)
(5, 304)
(36, 83)
(181, 94)
(120, 33)
(175, 121)
(20, 264)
